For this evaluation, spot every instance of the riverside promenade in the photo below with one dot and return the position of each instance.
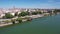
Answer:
(45, 25)
(5, 24)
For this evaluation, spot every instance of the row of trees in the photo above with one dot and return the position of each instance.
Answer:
(8, 15)
(37, 12)
(19, 20)
(56, 10)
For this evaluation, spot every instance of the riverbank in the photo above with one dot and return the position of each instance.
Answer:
(45, 25)
(32, 16)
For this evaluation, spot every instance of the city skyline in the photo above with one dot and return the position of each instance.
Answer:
(30, 3)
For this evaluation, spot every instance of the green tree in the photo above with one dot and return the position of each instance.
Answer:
(55, 11)
(34, 13)
(13, 21)
(8, 15)
(16, 14)
(23, 14)
(39, 12)
(19, 20)
(27, 13)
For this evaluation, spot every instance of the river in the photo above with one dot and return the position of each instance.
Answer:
(44, 25)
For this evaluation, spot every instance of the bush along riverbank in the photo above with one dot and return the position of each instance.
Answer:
(19, 20)
(9, 19)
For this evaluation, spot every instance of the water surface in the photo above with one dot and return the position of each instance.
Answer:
(44, 25)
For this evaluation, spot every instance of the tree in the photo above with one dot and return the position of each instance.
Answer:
(8, 15)
(16, 14)
(55, 11)
(19, 20)
(27, 13)
(39, 12)
(23, 14)
(34, 13)
(13, 21)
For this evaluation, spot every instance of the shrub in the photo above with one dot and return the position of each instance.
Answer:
(13, 21)
(16, 14)
(19, 20)
(7, 21)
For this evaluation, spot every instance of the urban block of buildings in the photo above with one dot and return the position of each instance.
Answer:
(19, 10)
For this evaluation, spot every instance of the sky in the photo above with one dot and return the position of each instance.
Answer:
(30, 3)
